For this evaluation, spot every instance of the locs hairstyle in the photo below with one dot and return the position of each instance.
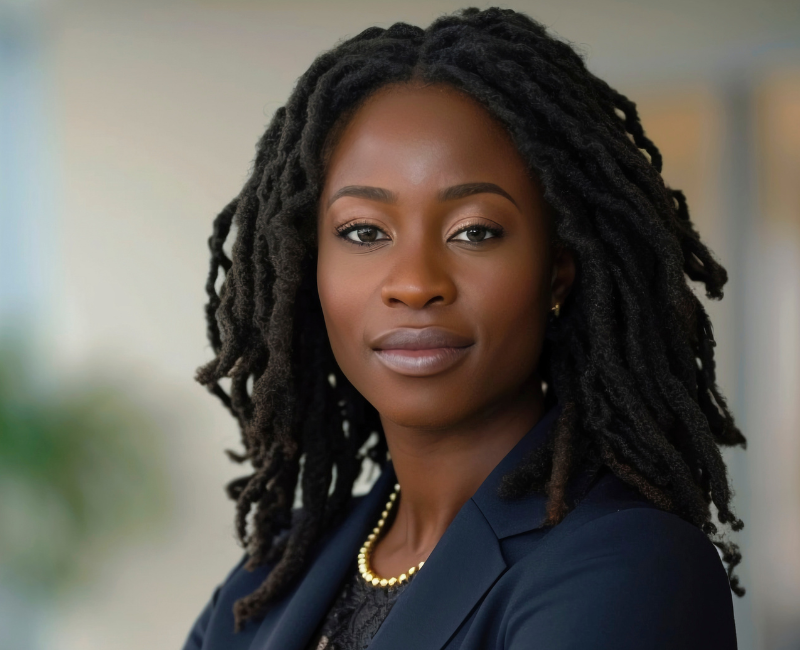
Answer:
(631, 359)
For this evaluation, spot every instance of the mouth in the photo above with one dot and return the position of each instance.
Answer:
(420, 352)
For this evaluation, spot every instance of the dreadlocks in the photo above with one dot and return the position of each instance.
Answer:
(631, 359)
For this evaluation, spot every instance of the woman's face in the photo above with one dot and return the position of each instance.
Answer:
(435, 272)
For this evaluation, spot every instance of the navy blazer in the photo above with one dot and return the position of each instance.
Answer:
(617, 573)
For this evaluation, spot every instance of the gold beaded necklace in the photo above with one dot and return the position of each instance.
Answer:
(365, 551)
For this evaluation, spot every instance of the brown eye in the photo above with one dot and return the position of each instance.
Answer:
(365, 235)
(475, 234)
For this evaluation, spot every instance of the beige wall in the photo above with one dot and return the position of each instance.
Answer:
(775, 378)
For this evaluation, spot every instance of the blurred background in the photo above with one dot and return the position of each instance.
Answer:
(125, 127)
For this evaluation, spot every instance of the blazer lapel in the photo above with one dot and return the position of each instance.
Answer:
(463, 566)
(515, 516)
(310, 601)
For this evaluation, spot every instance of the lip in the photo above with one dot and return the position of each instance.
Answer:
(420, 352)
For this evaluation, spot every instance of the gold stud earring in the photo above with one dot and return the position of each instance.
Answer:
(556, 310)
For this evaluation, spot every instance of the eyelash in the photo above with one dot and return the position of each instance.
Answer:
(346, 229)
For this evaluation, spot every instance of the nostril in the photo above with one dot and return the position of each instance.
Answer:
(415, 299)
(418, 292)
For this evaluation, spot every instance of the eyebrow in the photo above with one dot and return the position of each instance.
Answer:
(468, 189)
(364, 192)
(448, 194)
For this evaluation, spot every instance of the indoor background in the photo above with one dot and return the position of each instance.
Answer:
(126, 126)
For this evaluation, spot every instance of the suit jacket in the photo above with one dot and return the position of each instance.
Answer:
(616, 573)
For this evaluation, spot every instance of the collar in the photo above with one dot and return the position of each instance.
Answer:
(520, 515)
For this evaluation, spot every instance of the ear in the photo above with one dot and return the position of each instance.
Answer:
(563, 275)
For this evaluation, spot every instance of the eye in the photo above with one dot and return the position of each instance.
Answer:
(363, 234)
(476, 234)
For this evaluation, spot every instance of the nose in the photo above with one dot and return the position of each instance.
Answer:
(419, 278)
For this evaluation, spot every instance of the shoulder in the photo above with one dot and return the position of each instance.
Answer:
(643, 549)
(215, 624)
(622, 574)
(614, 523)
(216, 620)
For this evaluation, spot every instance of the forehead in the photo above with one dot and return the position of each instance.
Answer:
(420, 133)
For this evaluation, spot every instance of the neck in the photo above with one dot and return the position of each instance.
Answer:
(439, 470)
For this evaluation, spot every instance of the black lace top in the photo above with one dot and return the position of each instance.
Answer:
(355, 615)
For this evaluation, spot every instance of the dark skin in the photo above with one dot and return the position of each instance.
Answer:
(436, 276)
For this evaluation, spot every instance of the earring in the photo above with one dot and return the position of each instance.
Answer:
(556, 310)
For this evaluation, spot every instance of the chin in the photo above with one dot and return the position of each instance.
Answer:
(427, 411)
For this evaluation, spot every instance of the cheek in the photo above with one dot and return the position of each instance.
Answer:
(509, 302)
(343, 294)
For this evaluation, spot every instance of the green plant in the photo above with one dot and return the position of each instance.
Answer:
(78, 470)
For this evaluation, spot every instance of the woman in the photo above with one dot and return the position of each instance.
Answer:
(459, 239)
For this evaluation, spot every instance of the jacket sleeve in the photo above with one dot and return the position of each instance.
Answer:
(634, 579)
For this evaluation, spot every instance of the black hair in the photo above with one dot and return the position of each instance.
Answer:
(630, 359)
